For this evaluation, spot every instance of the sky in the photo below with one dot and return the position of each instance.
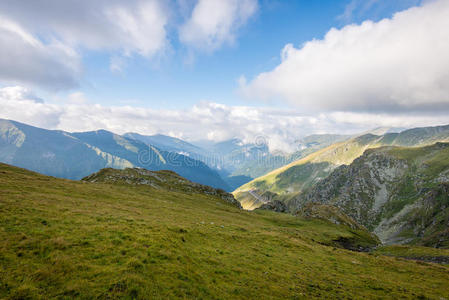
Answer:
(220, 69)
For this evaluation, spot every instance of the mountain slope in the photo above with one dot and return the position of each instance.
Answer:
(170, 144)
(255, 160)
(67, 239)
(149, 157)
(401, 194)
(302, 174)
(52, 152)
(75, 155)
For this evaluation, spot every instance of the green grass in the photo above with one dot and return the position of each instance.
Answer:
(65, 239)
(434, 157)
(412, 252)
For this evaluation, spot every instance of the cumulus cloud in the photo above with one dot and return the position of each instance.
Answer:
(19, 103)
(132, 26)
(215, 22)
(398, 64)
(41, 39)
(25, 59)
(204, 121)
(18, 93)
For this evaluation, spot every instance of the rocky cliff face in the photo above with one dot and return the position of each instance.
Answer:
(400, 194)
(362, 188)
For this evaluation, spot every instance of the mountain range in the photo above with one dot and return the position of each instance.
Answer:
(396, 185)
(149, 219)
(238, 162)
(287, 182)
(227, 165)
(76, 155)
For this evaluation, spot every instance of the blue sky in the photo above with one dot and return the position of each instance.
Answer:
(218, 69)
(174, 82)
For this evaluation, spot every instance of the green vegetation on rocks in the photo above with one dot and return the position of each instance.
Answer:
(401, 194)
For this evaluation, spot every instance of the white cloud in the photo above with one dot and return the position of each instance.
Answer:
(215, 22)
(18, 93)
(25, 59)
(139, 28)
(205, 120)
(399, 64)
(41, 40)
(77, 98)
(19, 103)
(132, 26)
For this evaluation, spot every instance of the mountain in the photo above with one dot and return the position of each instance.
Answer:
(150, 157)
(118, 239)
(75, 155)
(257, 160)
(215, 160)
(291, 179)
(318, 141)
(170, 144)
(401, 194)
(238, 162)
(52, 152)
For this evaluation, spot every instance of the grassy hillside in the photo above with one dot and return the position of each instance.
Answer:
(65, 239)
(300, 175)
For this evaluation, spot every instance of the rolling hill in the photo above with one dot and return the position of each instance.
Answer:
(123, 238)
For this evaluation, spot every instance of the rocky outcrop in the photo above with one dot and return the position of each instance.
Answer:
(162, 180)
(329, 213)
(275, 205)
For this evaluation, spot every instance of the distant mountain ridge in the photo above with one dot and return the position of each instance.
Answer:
(75, 155)
(168, 143)
(238, 162)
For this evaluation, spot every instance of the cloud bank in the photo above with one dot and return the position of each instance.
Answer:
(399, 64)
(41, 40)
(204, 121)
